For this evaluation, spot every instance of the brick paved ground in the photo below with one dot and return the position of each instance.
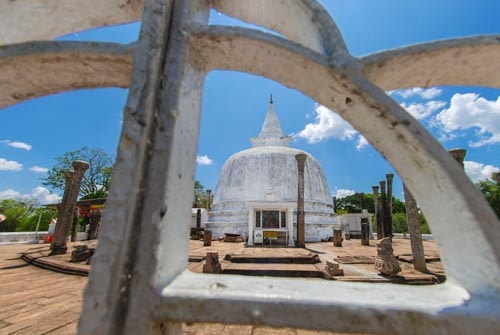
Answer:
(39, 301)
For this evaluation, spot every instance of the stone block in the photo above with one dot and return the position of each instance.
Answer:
(333, 269)
(212, 264)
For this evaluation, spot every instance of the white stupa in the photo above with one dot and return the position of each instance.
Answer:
(256, 194)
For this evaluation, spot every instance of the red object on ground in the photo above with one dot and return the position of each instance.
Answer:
(48, 239)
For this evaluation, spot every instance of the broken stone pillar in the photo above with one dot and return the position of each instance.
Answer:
(332, 269)
(301, 231)
(412, 217)
(365, 234)
(376, 203)
(207, 238)
(459, 155)
(347, 236)
(337, 237)
(385, 262)
(66, 210)
(212, 264)
(198, 218)
(81, 253)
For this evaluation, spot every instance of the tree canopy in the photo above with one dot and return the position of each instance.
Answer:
(97, 178)
(352, 203)
(491, 191)
(23, 215)
(200, 198)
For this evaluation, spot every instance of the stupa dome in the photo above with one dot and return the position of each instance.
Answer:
(264, 179)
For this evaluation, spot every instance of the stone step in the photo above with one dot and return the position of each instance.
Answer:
(274, 270)
(273, 259)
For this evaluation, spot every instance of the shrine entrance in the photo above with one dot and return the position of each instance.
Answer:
(270, 223)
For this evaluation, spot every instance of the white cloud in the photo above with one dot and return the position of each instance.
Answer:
(204, 160)
(362, 142)
(478, 171)
(40, 194)
(43, 196)
(9, 194)
(6, 165)
(470, 111)
(17, 145)
(38, 169)
(424, 93)
(342, 193)
(423, 110)
(327, 124)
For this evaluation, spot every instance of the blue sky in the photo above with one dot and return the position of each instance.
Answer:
(234, 106)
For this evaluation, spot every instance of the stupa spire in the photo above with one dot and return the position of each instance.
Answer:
(271, 133)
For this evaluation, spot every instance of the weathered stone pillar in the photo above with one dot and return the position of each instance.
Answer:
(74, 226)
(459, 155)
(198, 218)
(365, 234)
(209, 199)
(383, 209)
(73, 181)
(212, 264)
(376, 205)
(417, 246)
(94, 219)
(337, 237)
(207, 238)
(389, 178)
(301, 230)
(386, 262)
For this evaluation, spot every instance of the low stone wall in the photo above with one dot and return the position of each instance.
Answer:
(28, 236)
(18, 237)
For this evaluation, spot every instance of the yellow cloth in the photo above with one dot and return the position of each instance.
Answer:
(270, 234)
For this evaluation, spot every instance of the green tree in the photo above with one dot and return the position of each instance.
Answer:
(31, 222)
(424, 226)
(97, 178)
(17, 213)
(352, 204)
(491, 191)
(399, 223)
(200, 198)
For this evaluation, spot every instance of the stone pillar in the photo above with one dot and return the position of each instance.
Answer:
(209, 199)
(301, 229)
(207, 238)
(385, 262)
(73, 181)
(459, 155)
(376, 203)
(289, 223)
(212, 264)
(389, 178)
(412, 217)
(383, 209)
(251, 222)
(365, 234)
(198, 218)
(337, 237)
(74, 226)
